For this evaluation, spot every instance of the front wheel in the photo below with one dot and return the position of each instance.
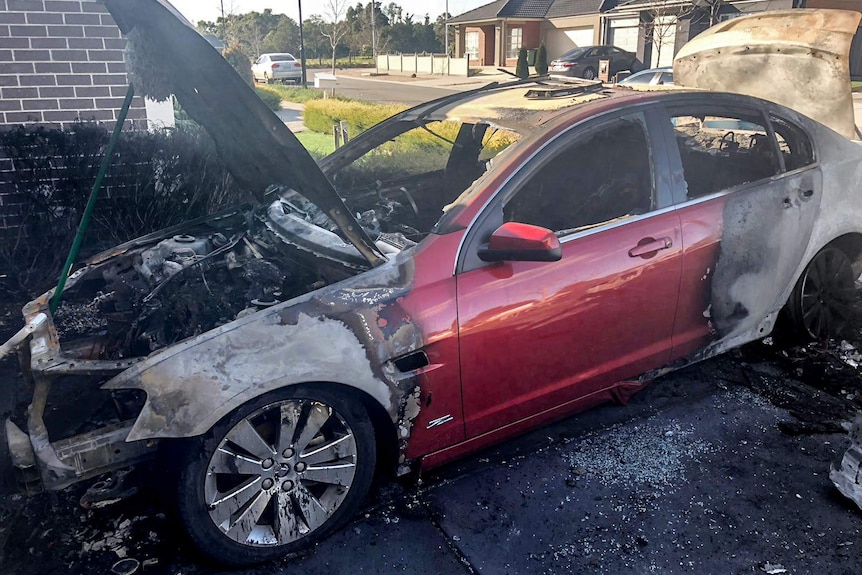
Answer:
(278, 474)
(822, 300)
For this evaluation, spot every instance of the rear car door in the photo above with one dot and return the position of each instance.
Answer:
(535, 336)
(747, 189)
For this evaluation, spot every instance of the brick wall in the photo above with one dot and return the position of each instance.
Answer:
(60, 61)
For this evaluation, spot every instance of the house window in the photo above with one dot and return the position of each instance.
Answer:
(514, 42)
(471, 45)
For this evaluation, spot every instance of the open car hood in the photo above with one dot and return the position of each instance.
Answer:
(167, 56)
(797, 58)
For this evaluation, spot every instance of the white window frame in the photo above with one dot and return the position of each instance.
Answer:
(513, 34)
(471, 48)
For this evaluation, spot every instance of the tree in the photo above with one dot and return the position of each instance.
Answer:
(316, 45)
(335, 27)
(521, 69)
(542, 60)
(362, 36)
(440, 33)
(662, 17)
(237, 58)
(284, 38)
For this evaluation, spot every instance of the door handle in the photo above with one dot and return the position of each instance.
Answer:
(806, 195)
(648, 247)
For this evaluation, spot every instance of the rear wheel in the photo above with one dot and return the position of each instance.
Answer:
(589, 74)
(822, 300)
(278, 474)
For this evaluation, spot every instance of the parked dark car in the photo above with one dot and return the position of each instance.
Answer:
(584, 62)
(462, 272)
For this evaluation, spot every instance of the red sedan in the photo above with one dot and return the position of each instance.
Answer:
(518, 253)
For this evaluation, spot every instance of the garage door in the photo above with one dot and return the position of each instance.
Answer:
(560, 41)
(624, 34)
(664, 40)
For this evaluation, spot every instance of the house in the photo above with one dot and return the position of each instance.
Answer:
(494, 33)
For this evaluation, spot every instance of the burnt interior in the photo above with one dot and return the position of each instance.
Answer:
(718, 153)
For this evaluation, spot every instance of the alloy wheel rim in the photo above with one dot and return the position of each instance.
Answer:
(280, 473)
(828, 292)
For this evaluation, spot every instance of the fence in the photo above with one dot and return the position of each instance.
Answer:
(441, 64)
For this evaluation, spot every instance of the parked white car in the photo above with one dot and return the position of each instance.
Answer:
(276, 68)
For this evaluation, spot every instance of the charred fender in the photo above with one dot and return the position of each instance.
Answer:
(333, 335)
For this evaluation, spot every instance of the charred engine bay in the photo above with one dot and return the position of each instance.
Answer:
(187, 283)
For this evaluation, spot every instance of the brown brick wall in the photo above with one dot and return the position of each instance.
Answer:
(60, 61)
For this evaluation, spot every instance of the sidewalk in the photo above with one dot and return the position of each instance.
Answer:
(482, 77)
(291, 115)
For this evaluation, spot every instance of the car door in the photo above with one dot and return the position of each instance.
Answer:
(620, 60)
(747, 197)
(536, 335)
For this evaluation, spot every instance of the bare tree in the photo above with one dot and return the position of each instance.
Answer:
(335, 27)
(662, 18)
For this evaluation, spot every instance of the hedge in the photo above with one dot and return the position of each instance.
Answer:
(270, 97)
(321, 115)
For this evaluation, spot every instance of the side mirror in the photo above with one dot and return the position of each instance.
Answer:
(521, 242)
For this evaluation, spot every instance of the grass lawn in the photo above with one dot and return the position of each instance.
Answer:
(855, 84)
(318, 144)
(294, 93)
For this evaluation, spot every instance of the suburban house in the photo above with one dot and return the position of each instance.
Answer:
(493, 34)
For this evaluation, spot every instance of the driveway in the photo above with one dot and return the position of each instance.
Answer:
(701, 472)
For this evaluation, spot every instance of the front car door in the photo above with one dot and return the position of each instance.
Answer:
(537, 335)
(748, 192)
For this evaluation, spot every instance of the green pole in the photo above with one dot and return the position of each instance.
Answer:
(91, 203)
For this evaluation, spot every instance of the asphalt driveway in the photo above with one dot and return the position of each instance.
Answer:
(699, 473)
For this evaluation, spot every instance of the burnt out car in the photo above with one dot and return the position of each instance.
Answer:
(468, 269)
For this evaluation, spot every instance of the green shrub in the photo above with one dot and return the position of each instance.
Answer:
(321, 115)
(240, 62)
(521, 69)
(270, 97)
(542, 60)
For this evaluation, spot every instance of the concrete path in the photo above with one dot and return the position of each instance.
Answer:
(291, 115)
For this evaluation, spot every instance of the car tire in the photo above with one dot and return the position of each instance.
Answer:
(266, 78)
(821, 302)
(589, 74)
(247, 495)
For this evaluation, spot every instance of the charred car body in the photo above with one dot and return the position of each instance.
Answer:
(285, 351)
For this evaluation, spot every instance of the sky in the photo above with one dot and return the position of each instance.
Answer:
(195, 10)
